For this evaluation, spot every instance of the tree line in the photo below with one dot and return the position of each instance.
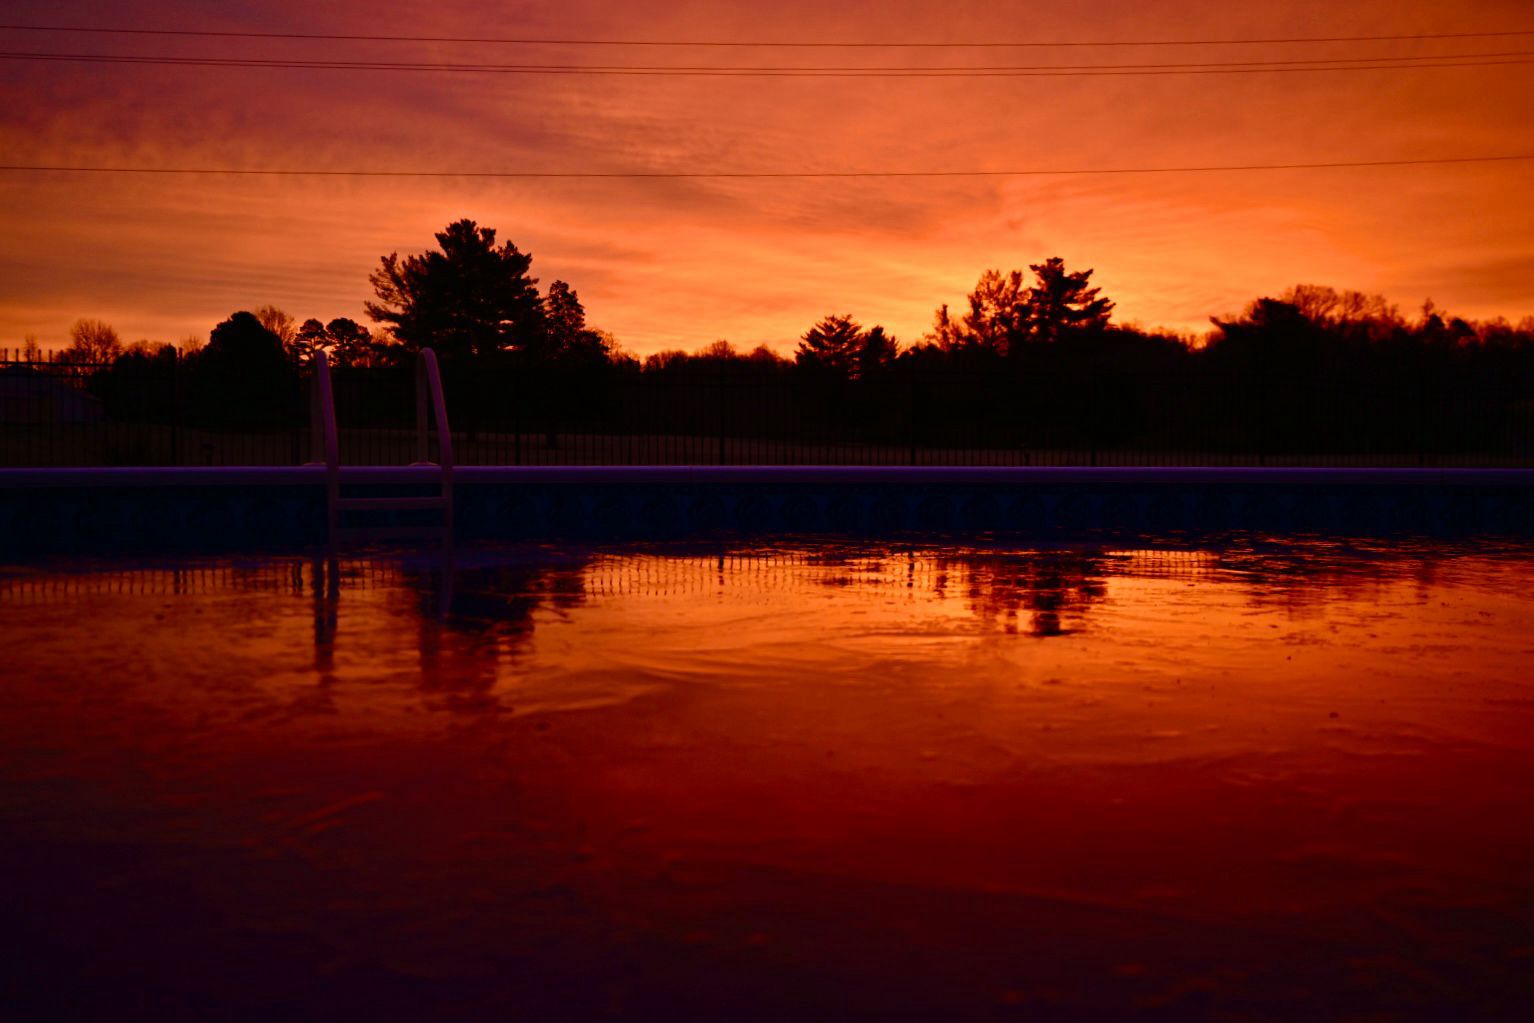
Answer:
(1026, 352)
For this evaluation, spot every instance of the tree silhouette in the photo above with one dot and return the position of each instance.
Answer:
(470, 299)
(350, 342)
(764, 358)
(344, 340)
(92, 343)
(245, 377)
(997, 320)
(832, 345)
(1031, 367)
(1062, 303)
(1330, 307)
(839, 348)
(877, 353)
(310, 337)
(139, 382)
(243, 342)
(278, 322)
(1004, 315)
(567, 338)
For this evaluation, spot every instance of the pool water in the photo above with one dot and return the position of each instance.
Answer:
(1261, 779)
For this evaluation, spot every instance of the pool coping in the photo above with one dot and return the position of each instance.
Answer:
(314, 475)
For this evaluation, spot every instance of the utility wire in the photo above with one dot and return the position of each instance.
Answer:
(1031, 172)
(454, 65)
(827, 44)
(1484, 59)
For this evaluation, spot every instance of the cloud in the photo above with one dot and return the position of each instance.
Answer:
(664, 262)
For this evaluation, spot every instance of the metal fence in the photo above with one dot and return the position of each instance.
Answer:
(158, 411)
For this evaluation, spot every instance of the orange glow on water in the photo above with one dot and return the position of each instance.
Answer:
(870, 778)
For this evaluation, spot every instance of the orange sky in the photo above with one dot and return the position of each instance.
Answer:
(680, 263)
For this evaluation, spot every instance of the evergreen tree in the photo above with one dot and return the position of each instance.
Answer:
(1062, 303)
(833, 345)
(997, 320)
(1004, 315)
(567, 338)
(837, 345)
(471, 298)
(350, 342)
(310, 337)
(877, 353)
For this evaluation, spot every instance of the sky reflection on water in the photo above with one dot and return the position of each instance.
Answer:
(1258, 778)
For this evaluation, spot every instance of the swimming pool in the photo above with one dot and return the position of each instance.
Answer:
(206, 510)
(1252, 777)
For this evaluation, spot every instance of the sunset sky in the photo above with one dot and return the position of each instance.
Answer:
(680, 263)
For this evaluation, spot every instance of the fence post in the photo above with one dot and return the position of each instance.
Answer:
(1094, 415)
(1264, 400)
(514, 386)
(175, 407)
(1424, 405)
(911, 413)
(719, 386)
(1093, 411)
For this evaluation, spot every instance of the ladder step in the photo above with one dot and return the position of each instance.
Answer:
(390, 503)
(389, 532)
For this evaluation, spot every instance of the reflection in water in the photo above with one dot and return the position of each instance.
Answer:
(790, 781)
(325, 585)
(1051, 587)
(472, 611)
(474, 614)
(472, 617)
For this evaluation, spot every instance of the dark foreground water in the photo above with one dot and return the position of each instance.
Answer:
(1279, 779)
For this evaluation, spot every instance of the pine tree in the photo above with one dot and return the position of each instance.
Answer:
(350, 342)
(832, 345)
(1063, 303)
(997, 318)
(568, 339)
(469, 299)
(310, 337)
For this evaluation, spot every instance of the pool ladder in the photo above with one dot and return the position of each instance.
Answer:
(430, 406)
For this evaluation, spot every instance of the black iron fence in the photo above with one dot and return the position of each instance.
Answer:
(153, 411)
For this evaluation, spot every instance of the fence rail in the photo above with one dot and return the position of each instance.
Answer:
(154, 412)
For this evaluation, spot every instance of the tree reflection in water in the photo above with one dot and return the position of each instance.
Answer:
(1187, 778)
(1053, 589)
(474, 611)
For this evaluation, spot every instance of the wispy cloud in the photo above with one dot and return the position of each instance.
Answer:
(683, 262)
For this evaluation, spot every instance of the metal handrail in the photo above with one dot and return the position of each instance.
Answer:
(429, 398)
(322, 415)
(323, 436)
(428, 387)
(430, 407)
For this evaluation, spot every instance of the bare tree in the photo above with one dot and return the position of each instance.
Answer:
(720, 350)
(278, 322)
(92, 343)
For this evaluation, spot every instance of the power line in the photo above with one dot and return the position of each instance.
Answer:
(1484, 59)
(826, 44)
(289, 61)
(1030, 172)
